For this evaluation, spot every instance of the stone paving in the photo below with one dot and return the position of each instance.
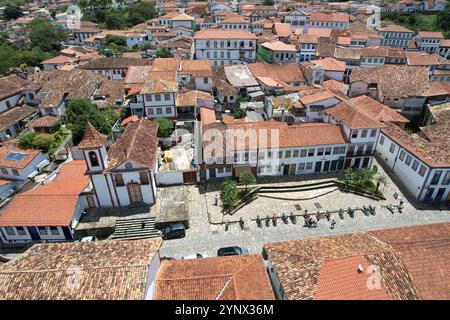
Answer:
(206, 238)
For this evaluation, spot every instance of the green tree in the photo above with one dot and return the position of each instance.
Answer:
(414, 19)
(45, 36)
(268, 2)
(26, 141)
(79, 111)
(12, 11)
(115, 20)
(163, 52)
(228, 194)
(135, 18)
(247, 178)
(443, 19)
(145, 9)
(165, 127)
(349, 176)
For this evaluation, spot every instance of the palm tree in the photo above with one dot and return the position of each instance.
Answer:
(247, 178)
(364, 177)
(349, 176)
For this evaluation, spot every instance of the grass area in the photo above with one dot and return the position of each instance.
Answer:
(413, 21)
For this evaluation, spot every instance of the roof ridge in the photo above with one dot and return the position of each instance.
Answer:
(131, 147)
(195, 277)
(68, 269)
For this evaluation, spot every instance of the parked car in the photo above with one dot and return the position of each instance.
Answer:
(231, 251)
(88, 239)
(174, 231)
(194, 256)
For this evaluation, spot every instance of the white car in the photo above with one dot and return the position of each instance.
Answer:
(88, 239)
(194, 256)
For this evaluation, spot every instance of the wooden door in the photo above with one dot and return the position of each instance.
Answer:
(134, 192)
(292, 169)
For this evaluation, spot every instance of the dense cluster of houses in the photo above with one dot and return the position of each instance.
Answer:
(331, 91)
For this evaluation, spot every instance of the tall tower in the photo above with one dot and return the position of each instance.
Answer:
(93, 146)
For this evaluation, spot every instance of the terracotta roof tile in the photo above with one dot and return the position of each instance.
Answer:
(287, 73)
(334, 17)
(330, 64)
(396, 80)
(327, 268)
(376, 110)
(14, 115)
(207, 116)
(138, 144)
(196, 68)
(352, 117)
(45, 121)
(299, 135)
(278, 46)
(52, 204)
(226, 278)
(433, 153)
(106, 270)
(11, 85)
(92, 139)
(5, 150)
(430, 34)
(159, 86)
(190, 98)
(425, 59)
(224, 34)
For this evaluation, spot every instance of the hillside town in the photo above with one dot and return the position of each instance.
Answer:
(224, 150)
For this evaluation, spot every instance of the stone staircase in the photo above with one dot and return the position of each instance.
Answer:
(131, 229)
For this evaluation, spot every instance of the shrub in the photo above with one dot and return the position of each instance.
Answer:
(165, 127)
(43, 141)
(26, 141)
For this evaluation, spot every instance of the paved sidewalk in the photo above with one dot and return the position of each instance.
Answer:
(204, 237)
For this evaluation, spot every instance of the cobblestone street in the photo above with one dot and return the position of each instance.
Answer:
(206, 238)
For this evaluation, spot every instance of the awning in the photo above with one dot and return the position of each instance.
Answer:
(33, 174)
(42, 164)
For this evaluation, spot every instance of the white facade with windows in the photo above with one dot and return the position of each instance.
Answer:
(396, 39)
(225, 49)
(430, 45)
(159, 105)
(424, 182)
(306, 51)
(328, 24)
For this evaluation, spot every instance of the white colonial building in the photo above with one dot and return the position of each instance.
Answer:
(396, 36)
(125, 174)
(225, 47)
(276, 149)
(423, 166)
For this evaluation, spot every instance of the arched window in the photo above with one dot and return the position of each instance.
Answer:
(93, 159)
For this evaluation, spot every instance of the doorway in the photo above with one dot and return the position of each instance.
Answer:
(134, 192)
(318, 166)
(439, 195)
(91, 201)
